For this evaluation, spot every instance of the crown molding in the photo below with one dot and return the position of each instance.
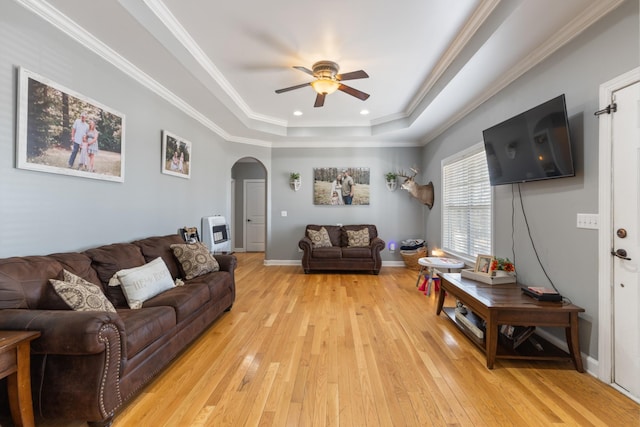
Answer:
(562, 37)
(479, 16)
(342, 143)
(176, 29)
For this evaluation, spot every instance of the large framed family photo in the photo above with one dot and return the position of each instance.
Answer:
(61, 131)
(340, 186)
(176, 155)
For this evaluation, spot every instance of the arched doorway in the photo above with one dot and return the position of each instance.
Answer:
(248, 205)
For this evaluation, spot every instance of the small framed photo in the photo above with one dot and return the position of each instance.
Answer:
(483, 264)
(190, 234)
(176, 155)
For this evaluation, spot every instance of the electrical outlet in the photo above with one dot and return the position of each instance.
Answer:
(590, 221)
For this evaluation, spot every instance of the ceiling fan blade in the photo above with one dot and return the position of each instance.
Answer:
(353, 92)
(303, 69)
(360, 74)
(287, 89)
(319, 100)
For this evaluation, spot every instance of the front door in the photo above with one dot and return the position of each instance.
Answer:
(255, 205)
(625, 142)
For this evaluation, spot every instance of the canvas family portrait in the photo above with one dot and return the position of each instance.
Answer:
(341, 186)
(63, 132)
(176, 155)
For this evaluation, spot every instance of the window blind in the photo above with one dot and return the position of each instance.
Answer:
(467, 204)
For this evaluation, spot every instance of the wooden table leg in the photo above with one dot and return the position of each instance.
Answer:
(19, 387)
(441, 296)
(573, 342)
(491, 339)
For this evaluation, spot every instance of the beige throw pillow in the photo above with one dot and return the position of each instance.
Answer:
(320, 238)
(358, 239)
(144, 282)
(80, 294)
(195, 259)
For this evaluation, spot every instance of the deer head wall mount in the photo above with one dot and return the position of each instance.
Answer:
(424, 193)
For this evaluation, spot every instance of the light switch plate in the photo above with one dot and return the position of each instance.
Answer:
(590, 221)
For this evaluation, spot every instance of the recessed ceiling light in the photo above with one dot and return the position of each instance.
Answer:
(364, 112)
(297, 113)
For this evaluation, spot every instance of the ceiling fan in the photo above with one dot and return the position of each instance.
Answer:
(328, 81)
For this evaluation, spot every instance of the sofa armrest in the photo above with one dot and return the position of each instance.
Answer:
(305, 244)
(226, 262)
(67, 332)
(377, 244)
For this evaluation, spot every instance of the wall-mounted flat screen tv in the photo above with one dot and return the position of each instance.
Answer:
(531, 146)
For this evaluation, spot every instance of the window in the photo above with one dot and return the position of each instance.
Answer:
(466, 204)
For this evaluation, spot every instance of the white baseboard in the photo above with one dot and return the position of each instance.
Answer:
(298, 262)
(393, 264)
(269, 262)
(590, 364)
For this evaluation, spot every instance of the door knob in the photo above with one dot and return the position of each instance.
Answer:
(621, 253)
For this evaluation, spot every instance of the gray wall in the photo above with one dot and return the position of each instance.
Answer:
(396, 215)
(42, 213)
(569, 254)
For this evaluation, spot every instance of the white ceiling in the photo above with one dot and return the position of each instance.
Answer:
(430, 62)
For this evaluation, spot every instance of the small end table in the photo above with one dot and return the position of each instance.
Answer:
(429, 264)
(15, 364)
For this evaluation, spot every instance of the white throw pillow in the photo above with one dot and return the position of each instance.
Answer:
(144, 282)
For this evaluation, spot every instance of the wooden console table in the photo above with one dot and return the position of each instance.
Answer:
(14, 363)
(507, 305)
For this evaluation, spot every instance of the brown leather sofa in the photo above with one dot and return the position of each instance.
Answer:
(86, 365)
(340, 256)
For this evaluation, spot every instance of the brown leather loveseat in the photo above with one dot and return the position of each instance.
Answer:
(87, 364)
(341, 248)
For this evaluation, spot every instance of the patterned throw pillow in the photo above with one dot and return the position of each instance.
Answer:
(320, 238)
(144, 282)
(358, 239)
(195, 259)
(81, 295)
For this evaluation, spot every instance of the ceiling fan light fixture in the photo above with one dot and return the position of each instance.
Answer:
(325, 86)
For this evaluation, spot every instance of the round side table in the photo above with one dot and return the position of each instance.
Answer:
(429, 264)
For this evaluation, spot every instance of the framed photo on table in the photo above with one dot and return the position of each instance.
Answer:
(483, 264)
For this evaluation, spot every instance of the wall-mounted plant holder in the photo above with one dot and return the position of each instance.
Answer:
(391, 181)
(294, 181)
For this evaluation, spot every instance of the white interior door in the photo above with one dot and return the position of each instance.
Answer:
(625, 141)
(254, 218)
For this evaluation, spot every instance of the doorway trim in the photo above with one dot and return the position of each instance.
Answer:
(605, 241)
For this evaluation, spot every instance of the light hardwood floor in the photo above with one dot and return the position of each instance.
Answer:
(357, 350)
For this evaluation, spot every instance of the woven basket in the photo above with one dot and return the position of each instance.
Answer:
(411, 257)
